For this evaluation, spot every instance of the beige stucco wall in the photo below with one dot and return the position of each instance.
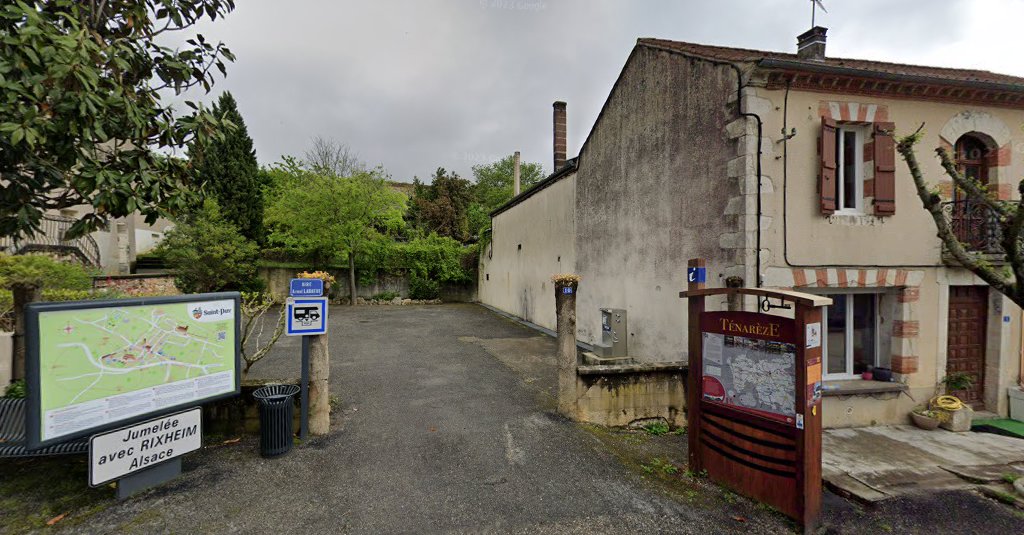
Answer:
(817, 245)
(518, 280)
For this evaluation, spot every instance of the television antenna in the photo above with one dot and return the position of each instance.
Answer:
(815, 4)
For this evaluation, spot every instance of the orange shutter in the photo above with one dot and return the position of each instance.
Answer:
(827, 170)
(885, 169)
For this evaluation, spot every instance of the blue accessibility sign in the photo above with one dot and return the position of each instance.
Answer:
(306, 288)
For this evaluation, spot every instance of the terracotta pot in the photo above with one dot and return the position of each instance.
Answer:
(924, 422)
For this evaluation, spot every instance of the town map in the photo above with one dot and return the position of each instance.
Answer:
(754, 374)
(104, 365)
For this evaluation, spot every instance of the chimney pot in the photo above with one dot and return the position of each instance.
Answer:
(559, 120)
(810, 45)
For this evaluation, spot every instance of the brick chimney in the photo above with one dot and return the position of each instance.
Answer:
(559, 119)
(811, 44)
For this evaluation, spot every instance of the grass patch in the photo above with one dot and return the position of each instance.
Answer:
(660, 466)
(657, 428)
(1004, 497)
(36, 490)
(1010, 477)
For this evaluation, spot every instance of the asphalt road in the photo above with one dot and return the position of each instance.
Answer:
(436, 435)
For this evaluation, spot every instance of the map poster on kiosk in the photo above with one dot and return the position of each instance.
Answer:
(750, 363)
(97, 365)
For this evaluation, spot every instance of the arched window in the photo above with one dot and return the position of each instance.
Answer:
(972, 221)
(971, 156)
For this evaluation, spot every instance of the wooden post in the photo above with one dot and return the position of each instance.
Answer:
(808, 443)
(319, 381)
(22, 294)
(319, 385)
(696, 308)
(565, 310)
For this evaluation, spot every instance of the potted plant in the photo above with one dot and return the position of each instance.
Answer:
(926, 418)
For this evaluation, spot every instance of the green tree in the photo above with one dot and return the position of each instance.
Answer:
(443, 205)
(493, 187)
(207, 253)
(227, 165)
(83, 112)
(328, 218)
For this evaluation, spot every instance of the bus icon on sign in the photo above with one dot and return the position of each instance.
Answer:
(306, 315)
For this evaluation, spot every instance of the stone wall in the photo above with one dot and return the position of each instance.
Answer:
(619, 394)
(139, 285)
(277, 280)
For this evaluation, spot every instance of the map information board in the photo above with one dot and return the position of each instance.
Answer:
(97, 365)
(753, 367)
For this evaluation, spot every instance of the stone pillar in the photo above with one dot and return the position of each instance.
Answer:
(22, 295)
(565, 310)
(319, 386)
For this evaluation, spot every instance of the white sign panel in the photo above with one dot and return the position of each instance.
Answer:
(306, 315)
(118, 453)
(813, 335)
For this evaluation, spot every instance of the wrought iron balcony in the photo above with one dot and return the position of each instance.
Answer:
(51, 239)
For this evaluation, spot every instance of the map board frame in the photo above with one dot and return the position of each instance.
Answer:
(33, 376)
(775, 462)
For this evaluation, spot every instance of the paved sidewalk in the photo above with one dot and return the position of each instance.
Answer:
(877, 463)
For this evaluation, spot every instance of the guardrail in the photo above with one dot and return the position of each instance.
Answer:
(51, 238)
(975, 225)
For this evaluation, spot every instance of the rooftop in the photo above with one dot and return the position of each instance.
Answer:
(743, 55)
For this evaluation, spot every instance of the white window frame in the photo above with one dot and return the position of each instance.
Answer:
(859, 133)
(848, 336)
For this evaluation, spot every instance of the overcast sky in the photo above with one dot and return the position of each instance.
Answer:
(414, 85)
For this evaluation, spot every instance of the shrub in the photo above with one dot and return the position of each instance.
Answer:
(386, 296)
(44, 272)
(423, 288)
(208, 254)
(15, 390)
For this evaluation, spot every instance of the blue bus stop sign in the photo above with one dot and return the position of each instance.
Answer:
(306, 288)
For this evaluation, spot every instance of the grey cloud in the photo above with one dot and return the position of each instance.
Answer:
(413, 85)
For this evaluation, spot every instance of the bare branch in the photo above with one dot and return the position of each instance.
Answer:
(974, 189)
(933, 204)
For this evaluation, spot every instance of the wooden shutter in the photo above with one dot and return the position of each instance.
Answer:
(885, 169)
(827, 169)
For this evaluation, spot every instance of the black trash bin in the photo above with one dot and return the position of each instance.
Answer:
(276, 413)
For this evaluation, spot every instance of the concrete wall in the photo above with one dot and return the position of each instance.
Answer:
(619, 395)
(652, 191)
(529, 243)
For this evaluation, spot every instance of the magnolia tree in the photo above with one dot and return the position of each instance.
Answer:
(1008, 277)
(83, 114)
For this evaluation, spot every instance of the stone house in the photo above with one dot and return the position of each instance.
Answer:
(780, 170)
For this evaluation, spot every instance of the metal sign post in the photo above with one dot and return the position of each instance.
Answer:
(307, 317)
(304, 417)
(754, 398)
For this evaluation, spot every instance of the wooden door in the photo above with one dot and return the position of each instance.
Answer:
(965, 350)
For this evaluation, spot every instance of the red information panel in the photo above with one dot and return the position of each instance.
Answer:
(749, 363)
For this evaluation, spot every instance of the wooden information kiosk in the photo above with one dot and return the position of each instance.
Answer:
(754, 397)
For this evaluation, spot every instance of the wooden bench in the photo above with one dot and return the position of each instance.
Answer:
(12, 434)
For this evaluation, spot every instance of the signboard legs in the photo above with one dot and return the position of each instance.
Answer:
(304, 428)
(148, 478)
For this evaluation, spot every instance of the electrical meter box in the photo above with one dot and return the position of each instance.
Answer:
(614, 334)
